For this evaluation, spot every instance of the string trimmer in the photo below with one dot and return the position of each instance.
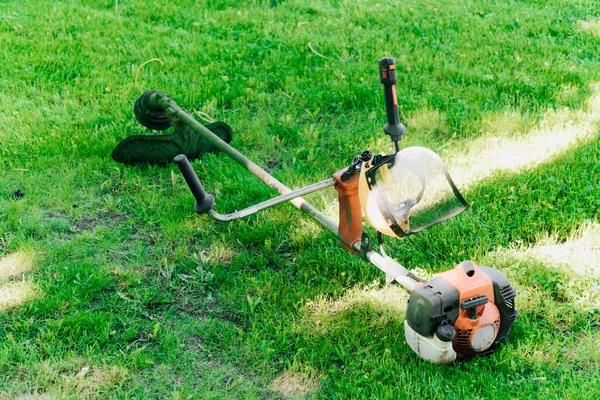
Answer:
(462, 312)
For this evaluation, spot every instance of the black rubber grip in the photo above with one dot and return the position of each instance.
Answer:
(387, 76)
(204, 202)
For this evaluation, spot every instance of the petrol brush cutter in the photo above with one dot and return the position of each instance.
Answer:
(462, 312)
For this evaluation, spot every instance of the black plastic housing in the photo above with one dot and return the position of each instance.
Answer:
(430, 304)
(504, 299)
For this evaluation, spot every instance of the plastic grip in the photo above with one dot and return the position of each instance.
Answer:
(350, 226)
(387, 76)
(204, 201)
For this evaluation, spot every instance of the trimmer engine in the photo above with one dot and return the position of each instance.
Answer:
(459, 314)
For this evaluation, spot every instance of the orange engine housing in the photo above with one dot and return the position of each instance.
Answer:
(476, 336)
(477, 327)
(467, 309)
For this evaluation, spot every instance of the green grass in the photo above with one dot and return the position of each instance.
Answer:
(111, 287)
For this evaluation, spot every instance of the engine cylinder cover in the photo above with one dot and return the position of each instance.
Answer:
(483, 338)
(476, 335)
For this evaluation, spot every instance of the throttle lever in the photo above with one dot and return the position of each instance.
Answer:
(387, 76)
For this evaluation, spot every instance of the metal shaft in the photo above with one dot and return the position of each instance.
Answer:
(174, 111)
(393, 270)
(269, 203)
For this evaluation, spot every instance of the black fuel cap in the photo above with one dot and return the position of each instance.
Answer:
(445, 332)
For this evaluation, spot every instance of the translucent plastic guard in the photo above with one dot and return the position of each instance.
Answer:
(414, 191)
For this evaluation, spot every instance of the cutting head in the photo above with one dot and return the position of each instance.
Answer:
(150, 111)
(409, 191)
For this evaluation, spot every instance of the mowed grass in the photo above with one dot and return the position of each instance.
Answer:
(111, 287)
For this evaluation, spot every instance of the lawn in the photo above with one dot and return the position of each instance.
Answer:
(111, 286)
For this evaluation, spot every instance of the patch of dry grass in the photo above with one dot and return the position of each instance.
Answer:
(295, 384)
(15, 264)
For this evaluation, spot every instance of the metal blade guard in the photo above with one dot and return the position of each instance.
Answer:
(407, 192)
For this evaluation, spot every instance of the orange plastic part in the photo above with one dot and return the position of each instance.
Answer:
(469, 281)
(466, 328)
(469, 284)
(350, 227)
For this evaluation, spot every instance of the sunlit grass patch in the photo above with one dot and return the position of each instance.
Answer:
(304, 230)
(387, 301)
(34, 396)
(218, 253)
(559, 130)
(72, 377)
(294, 384)
(14, 294)
(579, 349)
(586, 348)
(426, 122)
(590, 26)
(568, 271)
(567, 93)
(502, 125)
(580, 253)
(189, 374)
(15, 264)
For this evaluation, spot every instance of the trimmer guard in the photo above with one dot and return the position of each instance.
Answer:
(409, 191)
(161, 149)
